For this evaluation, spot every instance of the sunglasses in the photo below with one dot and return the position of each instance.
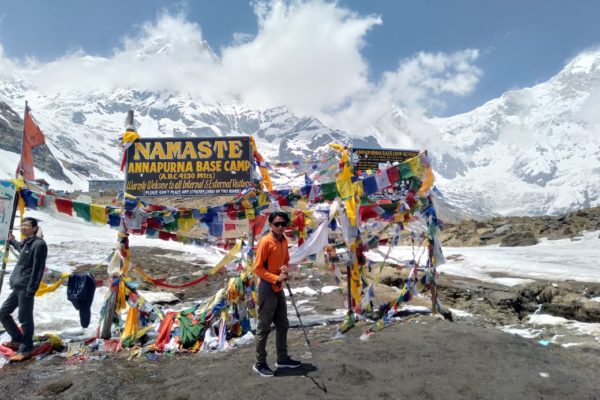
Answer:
(279, 224)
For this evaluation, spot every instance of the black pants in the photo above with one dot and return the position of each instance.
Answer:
(18, 298)
(271, 309)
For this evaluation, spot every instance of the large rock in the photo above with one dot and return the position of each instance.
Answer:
(525, 238)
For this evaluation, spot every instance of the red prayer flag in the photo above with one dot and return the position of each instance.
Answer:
(32, 138)
(393, 175)
(257, 224)
(64, 206)
(33, 133)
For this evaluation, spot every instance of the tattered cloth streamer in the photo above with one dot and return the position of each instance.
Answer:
(264, 171)
(161, 282)
(228, 258)
(121, 303)
(344, 184)
(349, 322)
(45, 288)
(190, 328)
(128, 138)
(164, 331)
(131, 326)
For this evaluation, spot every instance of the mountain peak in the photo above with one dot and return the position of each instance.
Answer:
(584, 63)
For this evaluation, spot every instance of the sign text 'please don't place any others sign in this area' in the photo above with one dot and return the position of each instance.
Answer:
(188, 167)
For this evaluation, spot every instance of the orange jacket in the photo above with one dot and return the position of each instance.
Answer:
(272, 254)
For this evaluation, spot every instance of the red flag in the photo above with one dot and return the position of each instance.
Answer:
(32, 138)
(33, 133)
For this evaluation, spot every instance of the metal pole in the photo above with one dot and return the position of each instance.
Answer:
(306, 340)
(20, 169)
(6, 245)
(15, 202)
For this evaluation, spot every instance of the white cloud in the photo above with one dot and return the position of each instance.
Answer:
(419, 83)
(428, 75)
(306, 55)
(6, 65)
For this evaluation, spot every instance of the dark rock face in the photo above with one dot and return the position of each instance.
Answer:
(519, 239)
(502, 305)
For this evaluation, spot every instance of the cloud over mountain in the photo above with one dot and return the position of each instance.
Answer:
(306, 55)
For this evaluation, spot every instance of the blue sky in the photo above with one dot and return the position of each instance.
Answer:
(517, 43)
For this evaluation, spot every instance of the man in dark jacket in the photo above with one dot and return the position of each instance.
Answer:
(24, 281)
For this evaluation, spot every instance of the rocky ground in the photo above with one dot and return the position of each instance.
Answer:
(520, 231)
(418, 357)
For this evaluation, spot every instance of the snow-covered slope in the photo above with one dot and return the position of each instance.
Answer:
(531, 151)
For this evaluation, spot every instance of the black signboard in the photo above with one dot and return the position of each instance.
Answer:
(374, 159)
(380, 159)
(188, 167)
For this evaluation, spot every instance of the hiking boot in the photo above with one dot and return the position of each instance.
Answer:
(288, 363)
(22, 356)
(12, 345)
(263, 370)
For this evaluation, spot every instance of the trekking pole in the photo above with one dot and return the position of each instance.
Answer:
(306, 340)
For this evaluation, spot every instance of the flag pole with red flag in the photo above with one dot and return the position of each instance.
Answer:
(32, 138)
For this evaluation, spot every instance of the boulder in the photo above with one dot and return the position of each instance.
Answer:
(548, 294)
(525, 238)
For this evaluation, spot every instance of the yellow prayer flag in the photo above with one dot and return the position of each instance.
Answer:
(229, 257)
(45, 288)
(416, 166)
(186, 223)
(98, 214)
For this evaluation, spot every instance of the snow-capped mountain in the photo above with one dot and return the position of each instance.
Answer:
(531, 151)
(82, 131)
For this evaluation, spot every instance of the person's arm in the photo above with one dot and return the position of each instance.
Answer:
(262, 252)
(40, 253)
(14, 243)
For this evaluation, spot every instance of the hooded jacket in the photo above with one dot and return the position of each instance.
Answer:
(30, 267)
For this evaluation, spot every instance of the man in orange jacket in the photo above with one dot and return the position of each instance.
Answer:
(271, 265)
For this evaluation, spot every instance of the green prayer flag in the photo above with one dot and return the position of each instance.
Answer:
(415, 184)
(329, 190)
(82, 210)
(404, 171)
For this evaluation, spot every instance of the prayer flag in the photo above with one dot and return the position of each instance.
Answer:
(32, 138)
(98, 214)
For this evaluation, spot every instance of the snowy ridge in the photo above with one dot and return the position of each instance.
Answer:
(82, 130)
(531, 151)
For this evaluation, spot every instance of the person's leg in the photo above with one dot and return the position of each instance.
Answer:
(282, 325)
(267, 303)
(26, 320)
(9, 305)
